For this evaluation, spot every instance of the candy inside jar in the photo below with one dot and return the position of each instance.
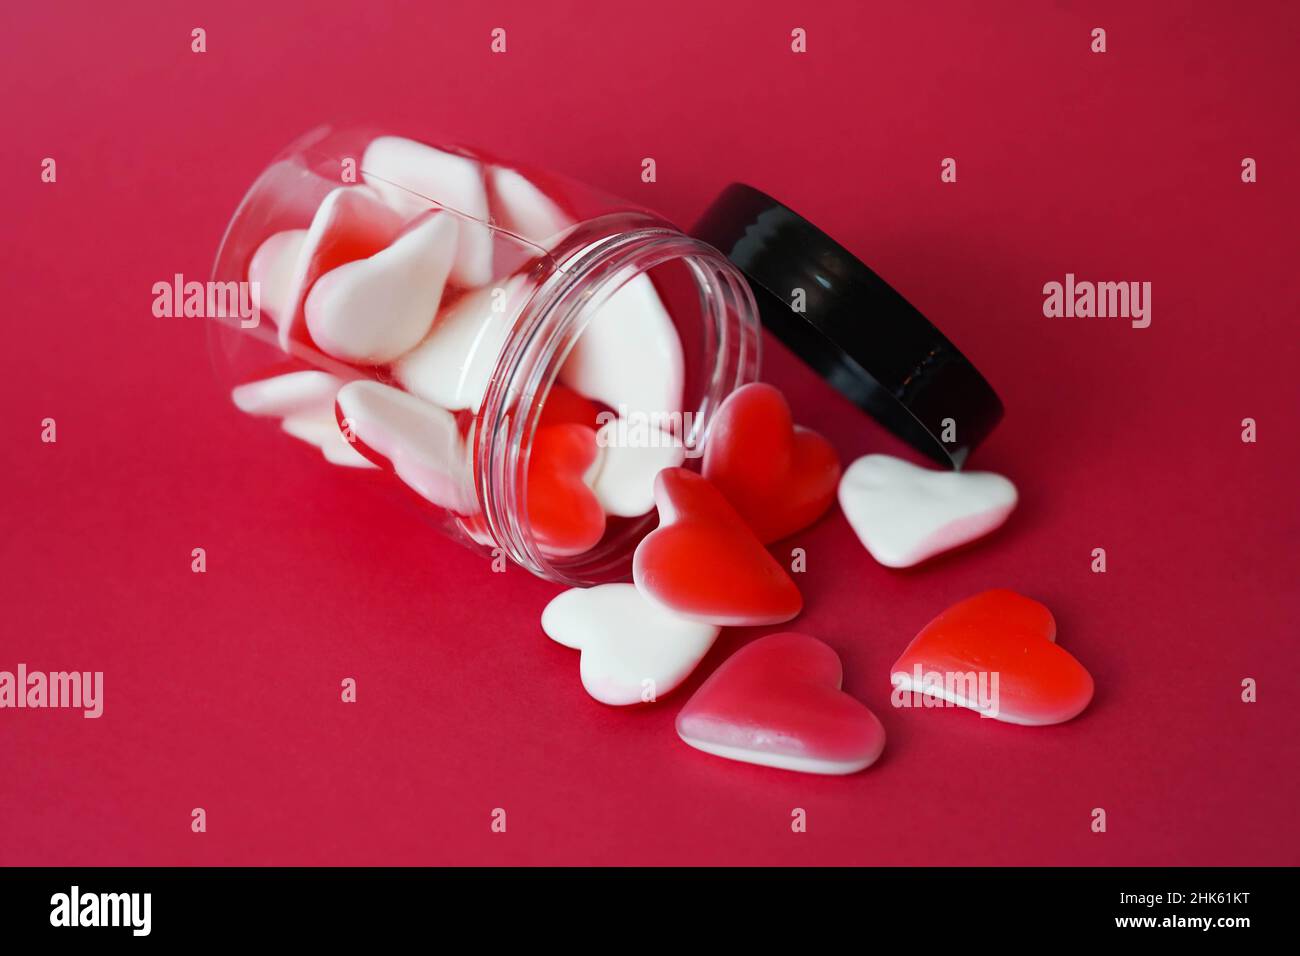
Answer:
(522, 353)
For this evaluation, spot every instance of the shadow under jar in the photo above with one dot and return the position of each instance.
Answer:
(521, 351)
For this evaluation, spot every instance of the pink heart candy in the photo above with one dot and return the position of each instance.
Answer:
(777, 702)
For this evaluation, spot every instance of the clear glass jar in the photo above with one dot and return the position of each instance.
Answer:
(432, 310)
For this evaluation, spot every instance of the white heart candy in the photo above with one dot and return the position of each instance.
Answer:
(294, 393)
(407, 173)
(347, 217)
(630, 647)
(370, 311)
(629, 355)
(455, 362)
(271, 268)
(521, 208)
(904, 514)
(420, 441)
(624, 481)
(323, 432)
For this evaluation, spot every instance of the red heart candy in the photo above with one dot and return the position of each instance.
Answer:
(565, 405)
(780, 477)
(998, 633)
(704, 563)
(777, 702)
(565, 516)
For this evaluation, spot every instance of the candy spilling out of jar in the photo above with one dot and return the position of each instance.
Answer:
(779, 701)
(705, 563)
(393, 285)
(394, 307)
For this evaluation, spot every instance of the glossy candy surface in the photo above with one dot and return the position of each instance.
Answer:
(704, 563)
(904, 514)
(777, 702)
(778, 476)
(633, 651)
(410, 175)
(418, 441)
(629, 357)
(452, 367)
(351, 223)
(563, 511)
(1004, 633)
(271, 268)
(371, 310)
(625, 479)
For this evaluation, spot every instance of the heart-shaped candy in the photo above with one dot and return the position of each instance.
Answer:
(996, 653)
(521, 208)
(703, 562)
(293, 393)
(351, 223)
(454, 364)
(565, 405)
(779, 476)
(410, 175)
(370, 311)
(777, 702)
(322, 431)
(271, 268)
(629, 356)
(305, 402)
(565, 517)
(904, 514)
(624, 483)
(419, 441)
(632, 651)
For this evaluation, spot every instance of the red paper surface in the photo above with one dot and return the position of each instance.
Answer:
(222, 689)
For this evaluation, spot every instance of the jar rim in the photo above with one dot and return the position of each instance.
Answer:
(578, 278)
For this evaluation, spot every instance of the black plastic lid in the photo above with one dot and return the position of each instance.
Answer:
(855, 330)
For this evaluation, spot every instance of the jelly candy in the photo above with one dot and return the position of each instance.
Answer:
(271, 268)
(419, 441)
(524, 210)
(633, 651)
(624, 482)
(777, 702)
(998, 633)
(778, 476)
(455, 362)
(406, 174)
(370, 311)
(904, 514)
(629, 356)
(704, 563)
(351, 223)
(565, 516)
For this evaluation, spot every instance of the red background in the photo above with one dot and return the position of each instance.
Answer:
(222, 689)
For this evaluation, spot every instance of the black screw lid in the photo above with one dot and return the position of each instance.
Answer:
(855, 330)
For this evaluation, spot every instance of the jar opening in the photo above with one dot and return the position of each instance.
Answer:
(590, 303)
